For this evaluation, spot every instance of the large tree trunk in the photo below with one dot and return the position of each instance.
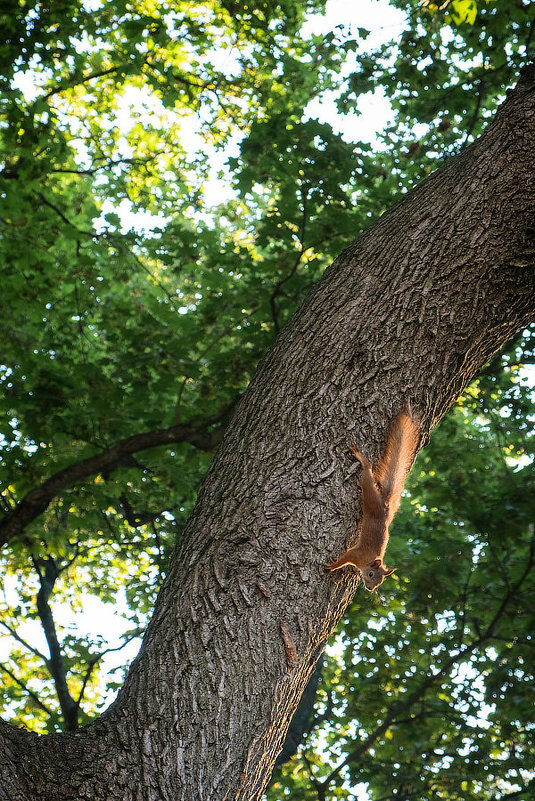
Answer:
(407, 314)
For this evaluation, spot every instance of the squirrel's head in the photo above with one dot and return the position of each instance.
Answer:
(375, 574)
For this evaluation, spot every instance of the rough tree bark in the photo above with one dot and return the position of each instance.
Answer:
(408, 313)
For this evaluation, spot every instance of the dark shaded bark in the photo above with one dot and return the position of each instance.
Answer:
(407, 314)
(303, 717)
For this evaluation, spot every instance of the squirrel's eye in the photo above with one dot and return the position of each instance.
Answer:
(370, 575)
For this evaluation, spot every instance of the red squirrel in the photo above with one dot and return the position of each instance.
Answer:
(381, 495)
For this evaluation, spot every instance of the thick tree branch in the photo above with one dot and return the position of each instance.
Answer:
(37, 500)
(48, 573)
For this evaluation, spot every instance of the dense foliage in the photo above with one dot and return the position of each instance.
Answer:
(167, 198)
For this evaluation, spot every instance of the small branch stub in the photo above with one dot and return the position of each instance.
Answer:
(289, 647)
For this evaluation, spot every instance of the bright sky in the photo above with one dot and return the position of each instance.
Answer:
(384, 23)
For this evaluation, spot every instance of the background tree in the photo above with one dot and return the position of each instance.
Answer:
(96, 330)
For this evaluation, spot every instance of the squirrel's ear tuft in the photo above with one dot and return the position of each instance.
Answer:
(377, 562)
(390, 571)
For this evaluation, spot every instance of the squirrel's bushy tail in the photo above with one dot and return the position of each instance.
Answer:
(396, 460)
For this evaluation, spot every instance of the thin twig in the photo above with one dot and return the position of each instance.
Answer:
(26, 689)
